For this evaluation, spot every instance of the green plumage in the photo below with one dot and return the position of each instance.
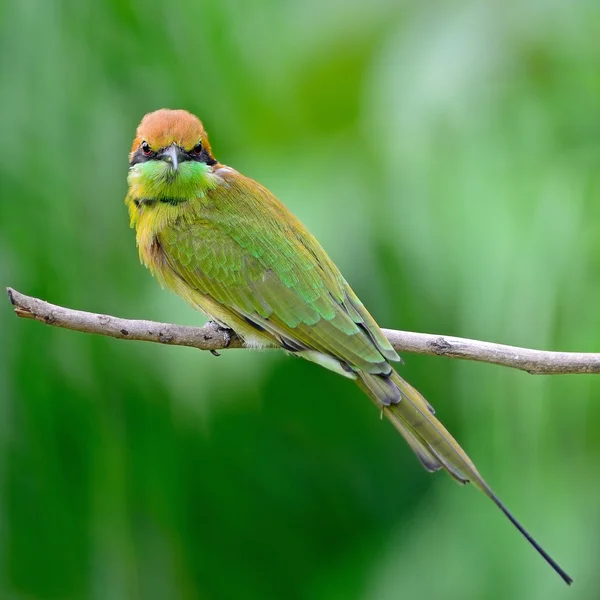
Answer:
(231, 249)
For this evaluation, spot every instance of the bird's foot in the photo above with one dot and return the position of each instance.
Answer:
(227, 333)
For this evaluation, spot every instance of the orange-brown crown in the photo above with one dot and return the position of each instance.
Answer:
(164, 127)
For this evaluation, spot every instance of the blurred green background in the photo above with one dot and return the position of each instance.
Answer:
(447, 156)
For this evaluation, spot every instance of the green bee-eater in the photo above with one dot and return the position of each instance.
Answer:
(232, 250)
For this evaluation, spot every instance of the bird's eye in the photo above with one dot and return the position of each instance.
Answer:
(197, 150)
(146, 149)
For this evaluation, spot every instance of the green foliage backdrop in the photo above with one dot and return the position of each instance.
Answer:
(447, 156)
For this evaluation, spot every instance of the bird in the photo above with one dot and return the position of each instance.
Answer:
(231, 249)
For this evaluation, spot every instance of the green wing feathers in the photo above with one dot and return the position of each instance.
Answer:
(244, 250)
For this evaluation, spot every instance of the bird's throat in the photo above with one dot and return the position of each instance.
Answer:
(156, 181)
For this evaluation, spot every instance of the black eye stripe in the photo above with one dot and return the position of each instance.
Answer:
(204, 157)
(139, 157)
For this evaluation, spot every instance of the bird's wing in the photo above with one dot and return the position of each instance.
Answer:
(248, 253)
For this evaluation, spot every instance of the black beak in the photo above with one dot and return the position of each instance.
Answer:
(174, 155)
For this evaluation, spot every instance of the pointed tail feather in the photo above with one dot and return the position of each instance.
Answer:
(434, 446)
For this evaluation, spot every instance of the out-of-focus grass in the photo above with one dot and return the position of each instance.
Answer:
(446, 155)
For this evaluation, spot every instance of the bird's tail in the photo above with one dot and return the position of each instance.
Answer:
(414, 418)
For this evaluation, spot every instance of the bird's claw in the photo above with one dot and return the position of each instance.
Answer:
(227, 332)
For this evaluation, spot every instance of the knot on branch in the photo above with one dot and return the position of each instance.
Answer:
(440, 345)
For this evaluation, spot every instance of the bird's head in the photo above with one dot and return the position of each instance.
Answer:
(170, 158)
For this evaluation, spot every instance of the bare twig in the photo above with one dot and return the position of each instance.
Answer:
(212, 337)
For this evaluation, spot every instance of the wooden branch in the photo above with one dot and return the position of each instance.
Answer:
(213, 337)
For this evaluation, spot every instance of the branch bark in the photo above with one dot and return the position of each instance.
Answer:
(212, 337)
